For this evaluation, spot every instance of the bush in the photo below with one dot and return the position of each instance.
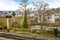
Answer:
(56, 32)
(38, 32)
(50, 32)
(34, 31)
(4, 27)
(0, 27)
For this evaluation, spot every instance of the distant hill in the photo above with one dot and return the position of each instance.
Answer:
(19, 12)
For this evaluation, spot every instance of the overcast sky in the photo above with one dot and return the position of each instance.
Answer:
(13, 4)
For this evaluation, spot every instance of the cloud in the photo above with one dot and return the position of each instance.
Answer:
(8, 5)
(13, 5)
(53, 3)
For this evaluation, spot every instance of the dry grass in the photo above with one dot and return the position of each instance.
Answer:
(13, 20)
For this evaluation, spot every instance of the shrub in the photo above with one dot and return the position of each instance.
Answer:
(50, 32)
(38, 32)
(34, 31)
(0, 27)
(4, 27)
(55, 32)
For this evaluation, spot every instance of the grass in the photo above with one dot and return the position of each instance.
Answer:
(28, 31)
(21, 30)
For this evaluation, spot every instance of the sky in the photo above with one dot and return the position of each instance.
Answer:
(14, 4)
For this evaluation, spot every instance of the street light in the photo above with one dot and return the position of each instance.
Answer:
(7, 16)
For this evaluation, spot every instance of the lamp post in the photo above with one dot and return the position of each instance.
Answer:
(7, 16)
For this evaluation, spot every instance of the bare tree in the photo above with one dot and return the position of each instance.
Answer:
(41, 8)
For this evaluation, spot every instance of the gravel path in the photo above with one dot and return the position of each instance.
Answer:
(1, 38)
(11, 36)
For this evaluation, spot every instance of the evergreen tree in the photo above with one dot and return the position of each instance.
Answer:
(25, 22)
